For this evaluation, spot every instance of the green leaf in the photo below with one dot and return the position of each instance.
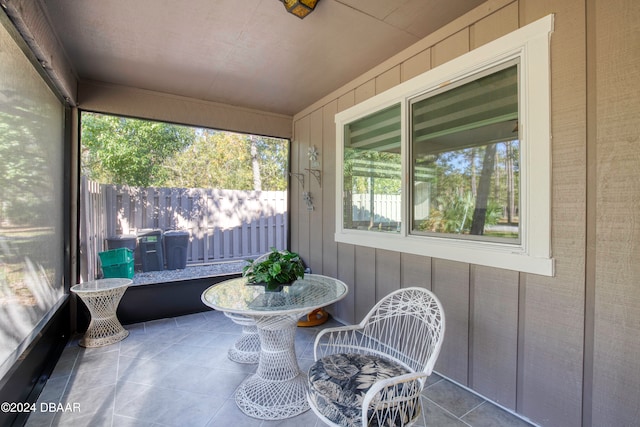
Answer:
(279, 267)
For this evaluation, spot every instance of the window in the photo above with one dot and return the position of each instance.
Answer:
(455, 163)
(464, 159)
(372, 170)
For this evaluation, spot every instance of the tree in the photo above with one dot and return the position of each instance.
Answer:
(231, 161)
(213, 160)
(480, 212)
(255, 163)
(273, 157)
(118, 150)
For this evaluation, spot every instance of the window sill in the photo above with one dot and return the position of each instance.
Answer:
(508, 257)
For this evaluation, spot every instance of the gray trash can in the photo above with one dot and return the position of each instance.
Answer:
(150, 248)
(123, 241)
(176, 243)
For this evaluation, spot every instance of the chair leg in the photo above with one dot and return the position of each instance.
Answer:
(421, 420)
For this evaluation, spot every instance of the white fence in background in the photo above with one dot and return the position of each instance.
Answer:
(386, 207)
(223, 225)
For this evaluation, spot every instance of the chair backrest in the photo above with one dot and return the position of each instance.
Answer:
(408, 326)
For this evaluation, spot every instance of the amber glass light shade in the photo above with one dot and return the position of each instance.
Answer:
(300, 8)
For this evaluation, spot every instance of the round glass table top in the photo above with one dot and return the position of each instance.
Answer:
(236, 296)
(101, 285)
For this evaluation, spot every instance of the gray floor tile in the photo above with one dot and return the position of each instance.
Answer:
(433, 378)
(66, 362)
(488, 415)
(90, 361)
(435, 415)
(72, 419)
(452, 398)
(86, 351)
(92, 404)
(175, 372)
(166, 406)
(307, 418)
(214, 359)
(101, 376)
(176, 353)
(192, 321)
(210, 382)
(160, 324)
(144, 348)
(307, 335)
(224, 325)
(230, 415)
(82, 420)
(210, 339)
(143, 371)
(122, 421)
(304, 364)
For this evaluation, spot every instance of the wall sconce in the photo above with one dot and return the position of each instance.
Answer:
(313, 157)
(315, 164)
(314, 171)
(300, 8)
(306, 196)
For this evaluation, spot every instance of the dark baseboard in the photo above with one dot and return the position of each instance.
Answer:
(142, 303)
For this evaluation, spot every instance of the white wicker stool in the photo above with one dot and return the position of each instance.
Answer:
(247, 348)
(102, 298)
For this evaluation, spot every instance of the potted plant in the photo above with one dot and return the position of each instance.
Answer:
(275, 269)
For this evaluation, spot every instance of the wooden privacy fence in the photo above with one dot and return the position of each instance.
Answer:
(223, 225)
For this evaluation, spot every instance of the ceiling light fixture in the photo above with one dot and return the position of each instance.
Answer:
(300, 8)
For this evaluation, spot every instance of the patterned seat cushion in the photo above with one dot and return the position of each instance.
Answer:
(338, 383)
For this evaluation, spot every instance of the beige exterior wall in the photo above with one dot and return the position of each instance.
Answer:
(562, 350)
(127, 101)
(614, 248)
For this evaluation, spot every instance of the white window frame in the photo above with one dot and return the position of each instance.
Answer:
(531, 44)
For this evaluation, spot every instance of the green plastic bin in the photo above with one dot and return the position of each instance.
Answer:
(117, 263)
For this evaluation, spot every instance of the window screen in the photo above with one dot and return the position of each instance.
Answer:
(31, 200)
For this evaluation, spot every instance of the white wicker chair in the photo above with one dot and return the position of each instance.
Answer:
(372, 374)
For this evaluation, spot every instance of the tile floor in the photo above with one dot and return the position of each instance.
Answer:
(175, 372)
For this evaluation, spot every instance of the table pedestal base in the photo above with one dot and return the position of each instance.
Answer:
(273, 401)
(278, 389)
(247, 348)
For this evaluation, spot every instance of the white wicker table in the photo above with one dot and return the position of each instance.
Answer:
(102, 298)
(278, 389)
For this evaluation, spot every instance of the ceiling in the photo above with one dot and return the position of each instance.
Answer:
(245, 53)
